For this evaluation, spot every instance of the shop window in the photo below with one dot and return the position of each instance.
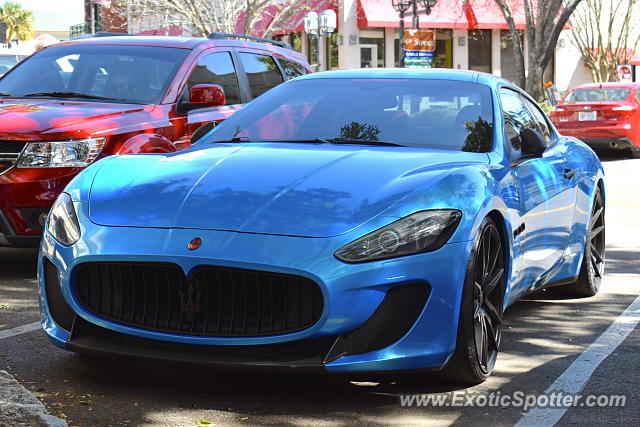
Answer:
(443, 55)
(480, 50)
(371, 52)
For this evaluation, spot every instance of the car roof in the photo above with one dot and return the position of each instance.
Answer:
(408, 73)
(604, 85)
(181, 43)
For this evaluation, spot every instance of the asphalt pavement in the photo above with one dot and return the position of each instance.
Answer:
(548, 344)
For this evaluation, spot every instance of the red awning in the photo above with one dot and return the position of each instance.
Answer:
(487, 15)
(463, 14)
(635, 60)
(380, 13)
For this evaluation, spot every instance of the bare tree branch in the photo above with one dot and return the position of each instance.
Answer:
(606, 36)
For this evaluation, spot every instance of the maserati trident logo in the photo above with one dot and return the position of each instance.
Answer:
(190, 298)
(194, 244)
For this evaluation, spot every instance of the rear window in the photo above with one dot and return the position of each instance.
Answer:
(602, 94)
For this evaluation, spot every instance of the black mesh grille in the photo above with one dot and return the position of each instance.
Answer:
(213, 301)
(9, 152)
(58, 307)
(392, 319)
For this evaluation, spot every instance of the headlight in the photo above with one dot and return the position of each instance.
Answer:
(422, 231)
(61, 154)
(63, 222)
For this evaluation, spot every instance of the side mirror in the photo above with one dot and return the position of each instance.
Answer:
(206, 95)
(532, 142)
(202, 131)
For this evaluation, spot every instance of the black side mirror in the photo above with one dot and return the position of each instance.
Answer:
(202, 131)
(532, 142)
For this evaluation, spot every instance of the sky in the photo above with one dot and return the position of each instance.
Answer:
(50, 15)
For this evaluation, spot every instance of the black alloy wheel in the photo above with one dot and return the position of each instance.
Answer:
(593, 260)
(487, 298)
(481, 309)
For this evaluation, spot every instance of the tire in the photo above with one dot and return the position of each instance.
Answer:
(634, 153)
(481, 309)
(593, 259)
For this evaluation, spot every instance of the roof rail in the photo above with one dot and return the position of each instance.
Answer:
(216, 35)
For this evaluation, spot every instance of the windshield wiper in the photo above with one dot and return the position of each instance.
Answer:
(234, 139)
(5, 94)
(363, 142)
(64, 94)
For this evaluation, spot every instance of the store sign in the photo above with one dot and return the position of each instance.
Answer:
(419, 46)
(624, 73)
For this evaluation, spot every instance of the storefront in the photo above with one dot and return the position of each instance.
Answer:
(470, 34)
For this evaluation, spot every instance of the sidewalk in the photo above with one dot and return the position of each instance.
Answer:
(19, 407)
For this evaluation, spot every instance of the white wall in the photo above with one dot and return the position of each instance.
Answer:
(570, 70)
(460, 53)
(348, 53)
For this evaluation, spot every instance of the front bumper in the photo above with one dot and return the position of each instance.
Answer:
(601, 136)
(351, 293)
(25, 194)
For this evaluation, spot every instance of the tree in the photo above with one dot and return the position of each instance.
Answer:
(544, 22)
(201, 17)
(606, 32)
(18, 20)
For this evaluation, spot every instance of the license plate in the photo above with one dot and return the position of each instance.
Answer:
(586, 116)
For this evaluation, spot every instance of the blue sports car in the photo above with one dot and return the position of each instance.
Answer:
(347, 221)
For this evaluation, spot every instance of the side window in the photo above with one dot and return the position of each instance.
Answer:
(217, 68)
(516, 116)
(291, 69)
(638, 94)
(262, 72)
(540, 120)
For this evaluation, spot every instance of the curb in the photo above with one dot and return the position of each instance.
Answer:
(19, 407)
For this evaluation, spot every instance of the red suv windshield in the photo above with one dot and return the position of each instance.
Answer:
(129, 74)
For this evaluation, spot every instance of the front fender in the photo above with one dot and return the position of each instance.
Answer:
(147, 143)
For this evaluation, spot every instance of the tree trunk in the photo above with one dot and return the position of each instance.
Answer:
(534, 80)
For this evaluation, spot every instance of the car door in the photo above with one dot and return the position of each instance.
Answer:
(545, 190)
(219, 68)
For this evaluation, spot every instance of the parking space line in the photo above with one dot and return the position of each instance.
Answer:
(576, 376)
(8, 333)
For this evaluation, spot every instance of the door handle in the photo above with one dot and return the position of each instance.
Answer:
(569, 173)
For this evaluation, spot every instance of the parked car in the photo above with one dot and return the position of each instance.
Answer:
(75, 102)
(8, 61)
(365, 236)
(605, 116)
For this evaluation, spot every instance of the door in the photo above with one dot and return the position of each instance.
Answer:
(545, 187)
(213, 68)
(368, 56)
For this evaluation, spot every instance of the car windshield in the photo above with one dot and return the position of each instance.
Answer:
(443, 114)
(602, 94)
(129, 74)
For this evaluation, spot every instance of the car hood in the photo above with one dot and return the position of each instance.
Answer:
(291, 189)
(47, 119)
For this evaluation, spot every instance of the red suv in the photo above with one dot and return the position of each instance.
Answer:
(603, 115)
(72, 103)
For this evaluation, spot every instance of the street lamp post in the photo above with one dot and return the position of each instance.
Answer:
(403, 6)
(319, 26)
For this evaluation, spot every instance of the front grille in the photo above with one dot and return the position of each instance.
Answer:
(9, 153)
(212, 301)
